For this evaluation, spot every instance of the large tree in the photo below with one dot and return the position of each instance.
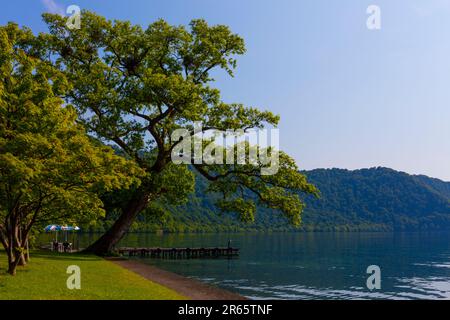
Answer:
(134, 86)
(50, 170)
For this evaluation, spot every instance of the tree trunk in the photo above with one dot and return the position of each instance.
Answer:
(12, 268)
(13, 260)
(27, 248)
(12, 253)
(105, 244)
(15, 242)
(22, 260)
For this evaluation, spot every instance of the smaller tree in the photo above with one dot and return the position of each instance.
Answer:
(50, 170)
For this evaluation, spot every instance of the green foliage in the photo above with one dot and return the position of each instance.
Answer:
(134, 86)
(46, 157)
(50, 170)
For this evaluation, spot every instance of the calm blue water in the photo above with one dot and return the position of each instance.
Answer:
(316, 265)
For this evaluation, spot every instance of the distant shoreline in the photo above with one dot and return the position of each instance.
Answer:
(270, 231)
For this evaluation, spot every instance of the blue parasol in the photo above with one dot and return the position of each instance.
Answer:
(56, 228)
(52, 227)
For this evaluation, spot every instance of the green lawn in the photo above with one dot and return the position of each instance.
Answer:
(45, 278)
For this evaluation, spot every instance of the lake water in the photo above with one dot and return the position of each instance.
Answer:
(315, 265)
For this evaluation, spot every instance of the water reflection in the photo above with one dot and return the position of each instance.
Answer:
(314, 265)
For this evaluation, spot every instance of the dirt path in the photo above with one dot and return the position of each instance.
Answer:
(189, 288)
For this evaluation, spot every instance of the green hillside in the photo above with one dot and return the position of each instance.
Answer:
(373, 199)
(377, 198)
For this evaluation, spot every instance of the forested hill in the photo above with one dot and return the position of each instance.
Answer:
(436, 184)
(377, 198)
(369, 199)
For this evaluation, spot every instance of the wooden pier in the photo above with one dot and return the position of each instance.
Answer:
(180, 253)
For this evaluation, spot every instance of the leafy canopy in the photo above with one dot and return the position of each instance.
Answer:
(50, 170)
(134, 86)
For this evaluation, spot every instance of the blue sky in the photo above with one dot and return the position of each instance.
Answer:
(348, 97)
